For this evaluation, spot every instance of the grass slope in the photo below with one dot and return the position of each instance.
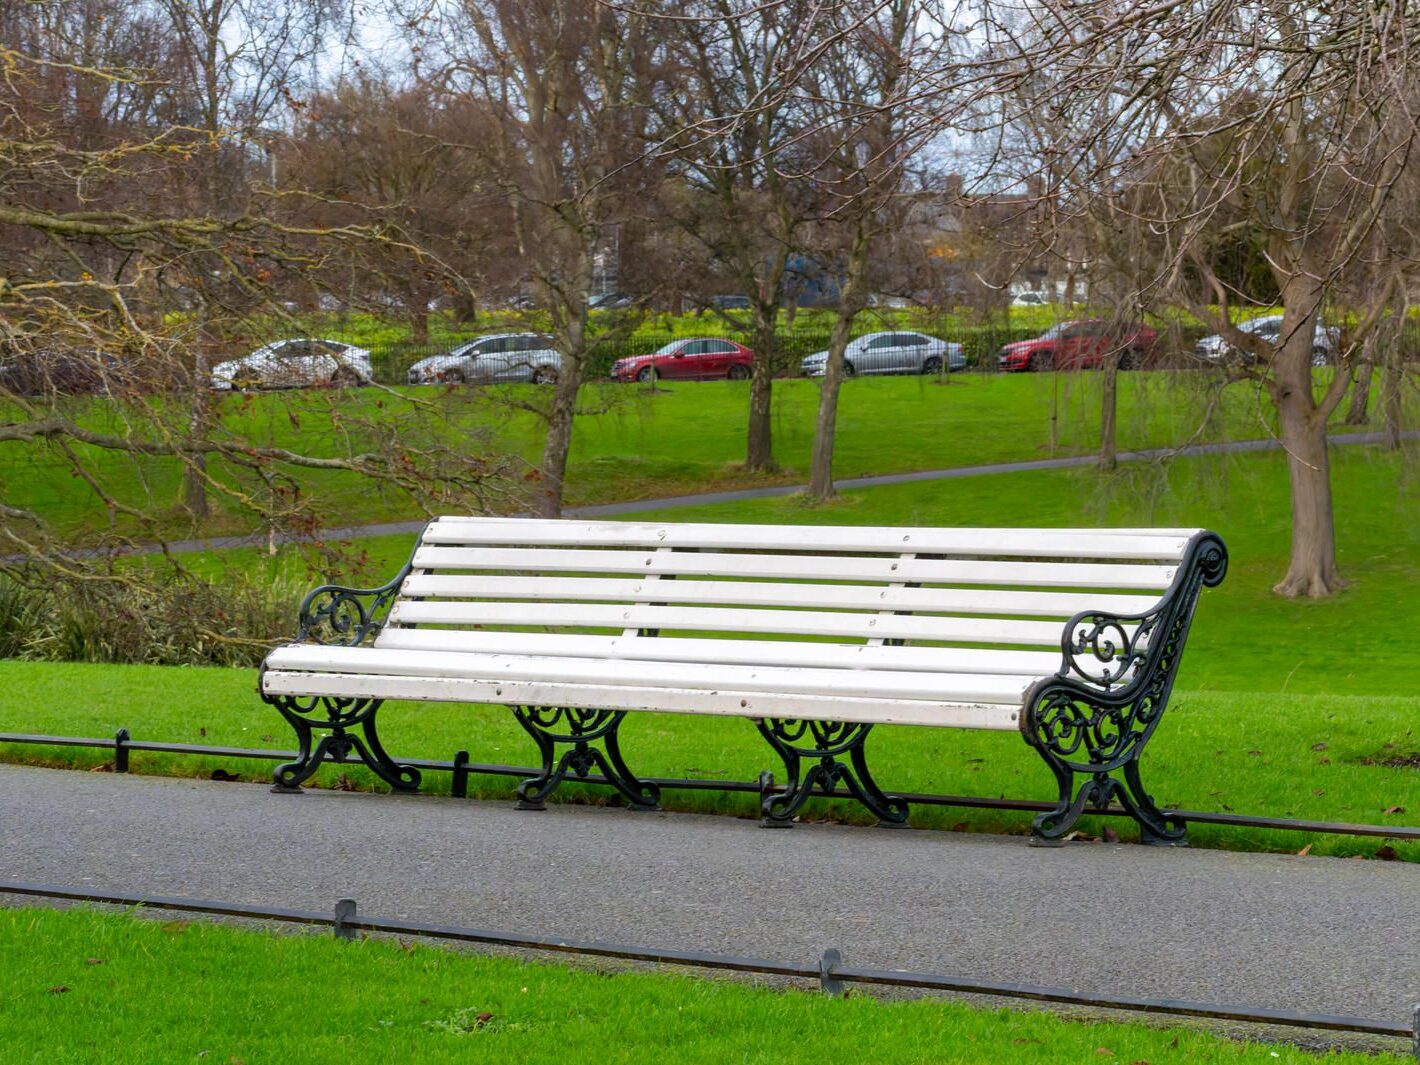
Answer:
(631, 443)
(83, 987)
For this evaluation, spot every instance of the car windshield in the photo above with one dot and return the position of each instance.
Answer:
(1056, 331)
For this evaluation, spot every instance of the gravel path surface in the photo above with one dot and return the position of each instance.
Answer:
(1319, 934)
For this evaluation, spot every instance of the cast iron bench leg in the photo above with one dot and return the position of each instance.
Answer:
(1094, 741)
(578, 729)
(340, 716)
(830, 741)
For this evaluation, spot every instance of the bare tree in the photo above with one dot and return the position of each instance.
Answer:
(568, 84)
(728, 129)
(112, 267)
(1252, 116)
(859, 83)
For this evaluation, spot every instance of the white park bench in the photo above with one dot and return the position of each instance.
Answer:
(816, 634)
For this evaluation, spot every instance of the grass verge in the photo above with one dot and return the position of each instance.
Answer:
(80, 986)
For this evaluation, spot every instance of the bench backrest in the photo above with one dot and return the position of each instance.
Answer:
(979, 600)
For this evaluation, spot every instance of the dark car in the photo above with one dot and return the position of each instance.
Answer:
(35, 373)
(1081, 344)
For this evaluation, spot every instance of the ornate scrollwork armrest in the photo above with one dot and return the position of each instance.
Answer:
(1105, 648)
(346, 617)
(1110, 650)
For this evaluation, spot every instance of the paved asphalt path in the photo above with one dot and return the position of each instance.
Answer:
(738, 495)
(1288, 932)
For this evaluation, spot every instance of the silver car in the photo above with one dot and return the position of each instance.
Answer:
(891, 353)
(298, 363)
(1325, 342)
(500, 357)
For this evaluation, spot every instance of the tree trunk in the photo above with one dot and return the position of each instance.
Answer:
(759, 443)
(1312, 571)
(419, 323)
(825, 429)
(1392, 386)
(1109, 407)
(559, 437)
(1357, 412)
(194, 474)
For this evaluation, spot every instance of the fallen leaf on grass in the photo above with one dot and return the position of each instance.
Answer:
(1305, 851)
(1395, 809)
(1254, 753)
(960, 826)
(1110, 835)
(1323, 761)
(93, 961)
(58, 990)
(344, 783)
(1318, 746)
(1104, 1050)
(1387, 854)
(202, 733)
(103, 767)
(222, 774)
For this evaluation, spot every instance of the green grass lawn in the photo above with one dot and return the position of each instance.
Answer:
(79, 986)
(632, 443)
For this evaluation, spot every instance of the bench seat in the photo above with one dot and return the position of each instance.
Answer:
(816, 634)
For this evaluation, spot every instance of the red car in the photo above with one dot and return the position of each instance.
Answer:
(692, 358)
(1076, 345)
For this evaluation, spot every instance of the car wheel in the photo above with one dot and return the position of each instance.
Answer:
(1320, 356)
(1130, 360)
(345, 377)
(544, 375)
(848, 370)
(647, 373)
(932, 365)
(1040, 362)
(455, 377)
(738, 372)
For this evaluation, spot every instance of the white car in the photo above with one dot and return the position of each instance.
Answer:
(299, 363)
(499, 357)
(1325, 342)
(891, 353)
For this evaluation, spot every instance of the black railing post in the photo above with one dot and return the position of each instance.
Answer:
(459, 788)
(120, 750)
(344, 912)
(827, 982)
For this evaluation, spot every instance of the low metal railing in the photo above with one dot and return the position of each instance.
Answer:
(122, 744)
(828, 969)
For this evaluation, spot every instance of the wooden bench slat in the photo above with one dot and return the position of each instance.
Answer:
(633, 673)
(1125, 576)
(724, 619)
(666, 700)
(825, 596)
(729, 651)
(1029, 543)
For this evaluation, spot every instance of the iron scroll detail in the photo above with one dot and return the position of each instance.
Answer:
(1093, 719)
(346, 617)
(578, 729)
(823, 744)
